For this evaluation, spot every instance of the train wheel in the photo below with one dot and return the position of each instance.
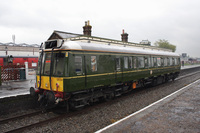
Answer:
(109, 96)
(154, 82)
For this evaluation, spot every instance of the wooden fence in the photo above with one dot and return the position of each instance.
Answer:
(12, 72)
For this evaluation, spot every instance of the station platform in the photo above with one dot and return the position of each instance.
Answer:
(189, 66)
(15, 88)
(178, 112)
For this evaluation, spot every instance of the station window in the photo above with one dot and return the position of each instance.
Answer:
(93, 63)
(125, 62)
(141, 62)
(130, 62)
(118, 64)
(78, 64)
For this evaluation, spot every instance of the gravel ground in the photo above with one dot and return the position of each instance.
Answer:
(14, 124)
(102, 116)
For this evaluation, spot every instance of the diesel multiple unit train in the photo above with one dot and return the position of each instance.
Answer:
(76, 73)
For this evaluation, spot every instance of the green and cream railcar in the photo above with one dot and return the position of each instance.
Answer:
(80, 73)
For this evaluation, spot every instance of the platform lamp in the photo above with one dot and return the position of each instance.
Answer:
(6, 49)
(10, 59)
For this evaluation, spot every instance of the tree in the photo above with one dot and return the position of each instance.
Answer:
(162, 43)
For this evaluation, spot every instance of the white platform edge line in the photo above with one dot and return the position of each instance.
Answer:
(99, 131)
(14, 95)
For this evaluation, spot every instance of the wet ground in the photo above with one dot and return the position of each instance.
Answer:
(20, 87)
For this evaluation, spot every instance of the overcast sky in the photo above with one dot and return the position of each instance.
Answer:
(33, 21)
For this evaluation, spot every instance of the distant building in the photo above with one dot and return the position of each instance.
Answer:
(19, 49)
(19, 54)
(145, 42)
(184, 57)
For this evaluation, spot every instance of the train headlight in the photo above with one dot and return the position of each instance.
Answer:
(57, 85)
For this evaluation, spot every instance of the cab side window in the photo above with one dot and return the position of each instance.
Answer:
(78, 64)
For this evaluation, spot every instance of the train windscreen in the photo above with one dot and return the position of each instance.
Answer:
(57, 64)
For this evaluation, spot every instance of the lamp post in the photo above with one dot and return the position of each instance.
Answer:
(6, 49)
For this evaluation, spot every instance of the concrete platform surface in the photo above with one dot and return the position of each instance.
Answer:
(189, 66)
(178, 112)
(15, 88)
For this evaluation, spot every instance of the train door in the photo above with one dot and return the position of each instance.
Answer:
(78, 73)
(118, 70)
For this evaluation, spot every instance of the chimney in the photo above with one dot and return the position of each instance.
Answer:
(124, 36)
(87, 28)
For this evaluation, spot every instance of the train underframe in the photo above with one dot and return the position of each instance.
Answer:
(79, 99)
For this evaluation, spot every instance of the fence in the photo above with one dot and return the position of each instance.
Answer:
(13, 72)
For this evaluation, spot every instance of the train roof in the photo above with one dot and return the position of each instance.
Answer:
(88, 46)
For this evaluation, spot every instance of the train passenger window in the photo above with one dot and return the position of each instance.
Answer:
(154, 61)
(178, 61)
(149, 62)
(135, 62)
(165, 61)
(170, 61)
(173, 61)
(118, 64)
(141, 62)
(125, 62)
(158, 61)
(130, 62)
(78, 64)
(162, 61)
(146, 62)
(93, 63)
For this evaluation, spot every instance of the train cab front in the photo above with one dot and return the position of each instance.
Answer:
(49, 88)
(47, 95)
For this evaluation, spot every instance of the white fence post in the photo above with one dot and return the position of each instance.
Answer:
(26, 69)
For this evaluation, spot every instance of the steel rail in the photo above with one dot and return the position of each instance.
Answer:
(20, 117)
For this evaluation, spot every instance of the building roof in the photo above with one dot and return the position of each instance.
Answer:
(63, 35)
(20, 45)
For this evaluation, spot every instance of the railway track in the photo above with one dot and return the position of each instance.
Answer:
(70, 114)
(43, 122)
(20, 117)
